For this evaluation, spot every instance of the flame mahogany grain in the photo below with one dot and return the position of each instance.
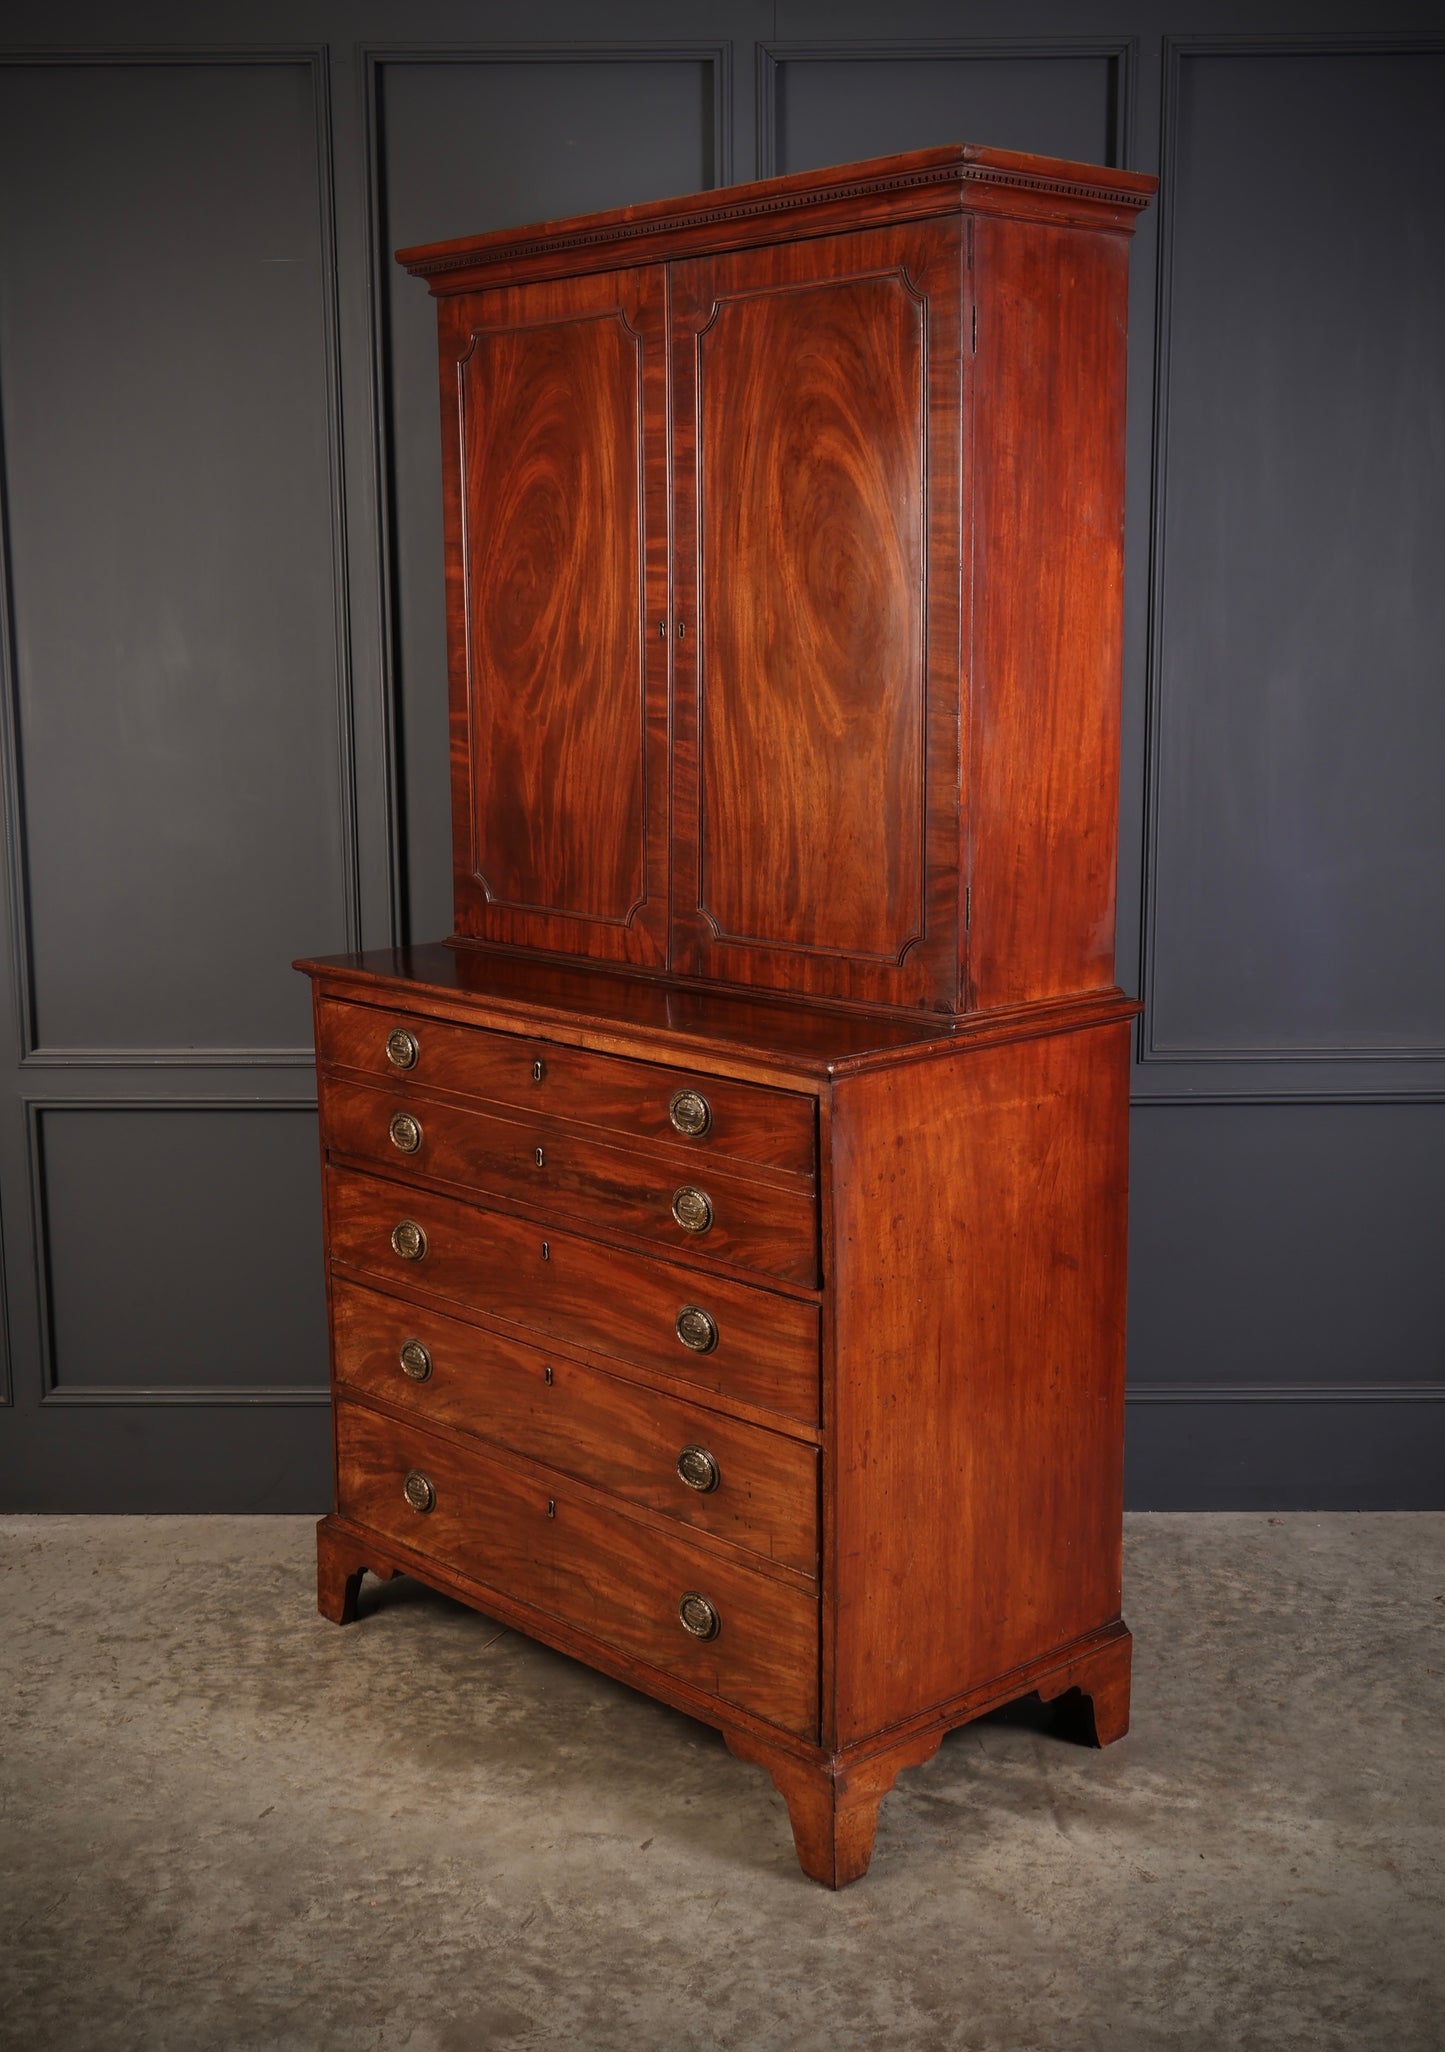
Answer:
(622, 1101)
(538, 1402)
(532, 1536)
(557, 1284)
(555, 510)
(546, 1166)
(814, 742)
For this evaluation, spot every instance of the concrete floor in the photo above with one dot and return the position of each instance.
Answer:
(228, 1824)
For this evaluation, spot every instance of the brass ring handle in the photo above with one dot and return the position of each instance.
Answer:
(418, 1491)
(698, 1469)
(405, 1132)
(689, 1112)
(698, 1616)
(401, 1048)
(415, 1361)
(696, 1330)
(408, 1239)
(692, 1208)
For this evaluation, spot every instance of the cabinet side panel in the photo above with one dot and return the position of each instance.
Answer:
(978, 1249)
(1048, 594)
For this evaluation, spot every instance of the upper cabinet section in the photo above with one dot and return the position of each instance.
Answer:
(783, 542)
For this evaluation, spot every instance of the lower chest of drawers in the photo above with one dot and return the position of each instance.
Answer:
(623, 1444)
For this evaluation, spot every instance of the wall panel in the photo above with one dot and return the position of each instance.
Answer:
(164, 363)
(179, 1251)
(1279, 1247)
(1297, 835)
(828, 103)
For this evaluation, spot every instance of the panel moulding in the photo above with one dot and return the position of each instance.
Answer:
(1286, 1393)
(79, 1397)
(1120, 52)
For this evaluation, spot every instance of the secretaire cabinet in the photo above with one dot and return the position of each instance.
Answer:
(725, 1226)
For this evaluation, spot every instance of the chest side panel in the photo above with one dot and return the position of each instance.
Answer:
(817, 655)
(978, 1360)
(557, 527)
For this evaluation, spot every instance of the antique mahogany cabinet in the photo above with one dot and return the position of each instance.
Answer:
(725, 1226)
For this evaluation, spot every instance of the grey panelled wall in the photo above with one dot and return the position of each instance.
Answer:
(1298, 899)
(224, 689)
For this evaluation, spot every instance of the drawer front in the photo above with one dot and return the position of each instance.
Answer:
(758, 1489)
(610, 1575)
(768, 1226)
(764, 1347)
(744, 1121)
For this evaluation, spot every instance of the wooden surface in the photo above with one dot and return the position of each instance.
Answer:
(558, 1284)
(805, 203)
(545, 1164)
(975, 1417)
(621, 1099)
(707, 1032)
(614, 1576)
(555, 505)
(807, 383)
(833, 1803)
(834, 1797)
(612, 1433)
(825, 653)
(810, 396)
(816, 743)
(786, 578)
(1048, 539)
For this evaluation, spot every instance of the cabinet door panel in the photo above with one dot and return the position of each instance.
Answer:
(817, 461)
(557, 524)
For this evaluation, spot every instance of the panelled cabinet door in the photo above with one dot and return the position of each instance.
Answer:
(554, 416)
(817, 411)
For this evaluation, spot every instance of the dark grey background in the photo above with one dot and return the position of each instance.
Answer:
(224, 690)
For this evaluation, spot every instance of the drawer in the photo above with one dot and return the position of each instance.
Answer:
(617, 1578)
(744, 1121)
(764, 1348)
(771, 1226)
(758, 1489)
